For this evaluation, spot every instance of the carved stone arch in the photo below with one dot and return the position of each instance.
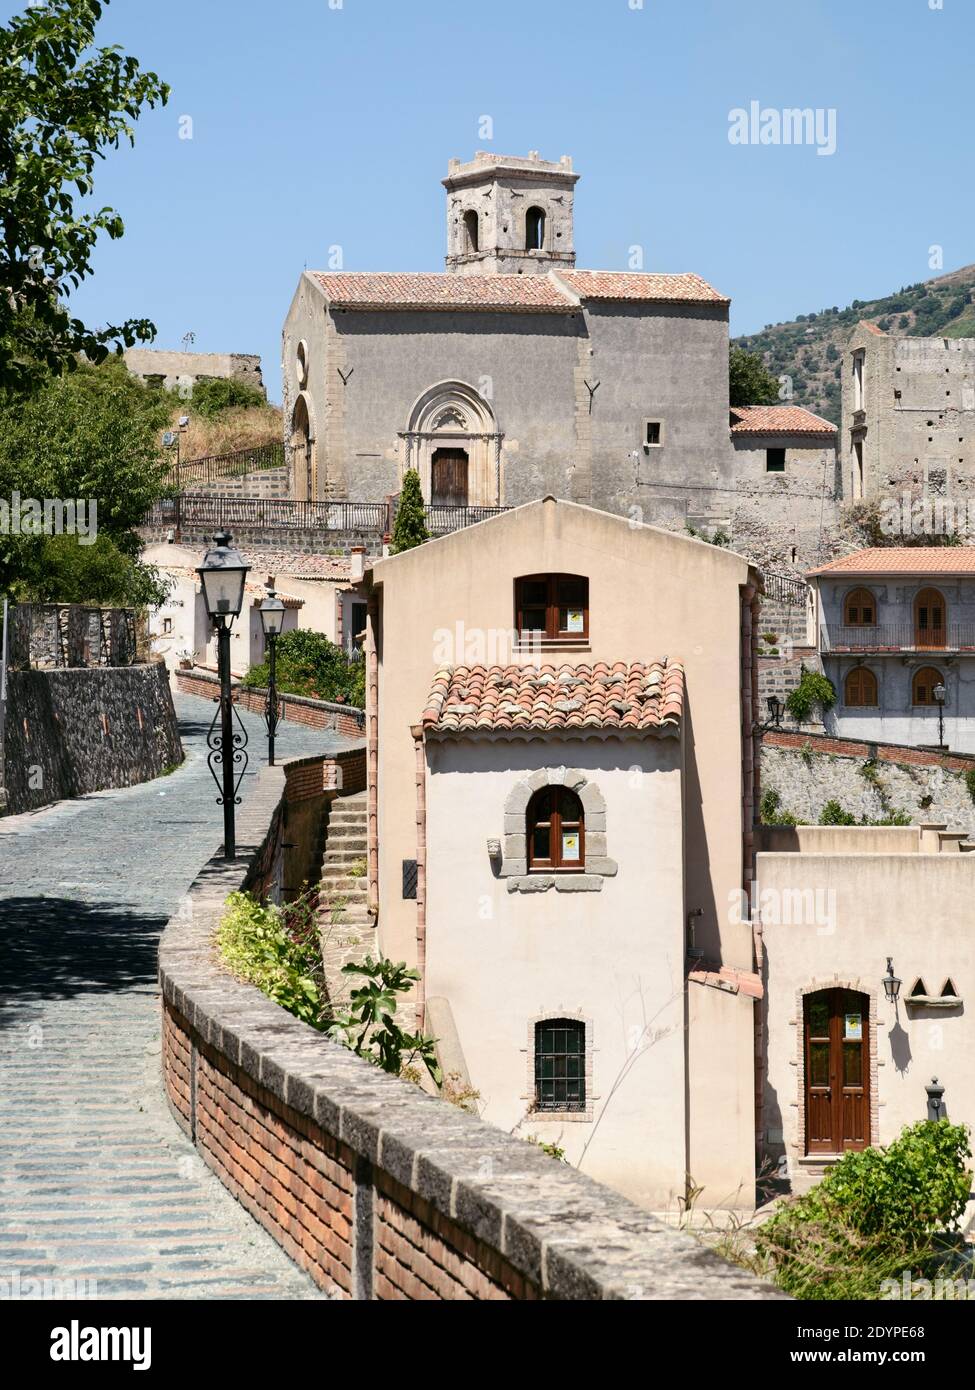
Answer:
(453, 415)
(514, 860)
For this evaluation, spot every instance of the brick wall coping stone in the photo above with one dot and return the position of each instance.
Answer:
(907, 753)
(566, 1234)
(198, 674)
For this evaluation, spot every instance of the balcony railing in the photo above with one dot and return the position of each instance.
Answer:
(201, 511)
(897, 637)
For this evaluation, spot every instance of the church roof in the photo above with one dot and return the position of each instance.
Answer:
(777, 419)
(554, 292)
(627, 698)
(624, 284)
(381, 290)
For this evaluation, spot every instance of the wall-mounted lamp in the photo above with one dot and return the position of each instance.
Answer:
(892, 985)
(775, 708)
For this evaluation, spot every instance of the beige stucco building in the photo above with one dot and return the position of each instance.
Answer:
(560, 806)
(845, 1065)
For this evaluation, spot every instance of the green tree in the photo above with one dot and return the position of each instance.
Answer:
(63, 103)
(411, 527)
(91, 436)
(750, 382)
(213, 397)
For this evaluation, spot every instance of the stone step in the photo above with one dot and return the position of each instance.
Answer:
(344, 861)
(343, 829)
(333, 884)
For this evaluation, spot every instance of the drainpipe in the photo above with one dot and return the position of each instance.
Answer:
(750, 606)
(372, 754)
(421, 872)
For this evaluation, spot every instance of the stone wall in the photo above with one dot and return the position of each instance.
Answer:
(318, 714)
(72, 731)
(377, 1189)
(175, 369)
(808, 770)
(255, 538)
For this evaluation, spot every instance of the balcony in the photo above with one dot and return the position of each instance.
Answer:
(896, 637)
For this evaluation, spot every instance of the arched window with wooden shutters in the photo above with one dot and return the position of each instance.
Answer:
(861, 688)
(860, 609)
(556, 831)
(923, 686)
(930, 619)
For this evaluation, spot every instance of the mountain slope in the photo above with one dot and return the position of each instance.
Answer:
(810, 349)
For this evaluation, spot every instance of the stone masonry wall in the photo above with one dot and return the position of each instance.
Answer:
(807, 771)
(72, 731)
(377, 1189)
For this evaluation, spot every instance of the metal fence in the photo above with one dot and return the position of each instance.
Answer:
(785, 588)
(201, 511)
(201, 471)
(897, 637)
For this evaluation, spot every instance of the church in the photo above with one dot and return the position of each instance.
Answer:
(513, 375)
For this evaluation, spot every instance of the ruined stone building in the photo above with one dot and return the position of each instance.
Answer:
(182, 370)
(513, 375)
(908, 420)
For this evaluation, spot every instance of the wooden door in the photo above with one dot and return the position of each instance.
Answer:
(448, 478)
(837, 1058)
(929, 620)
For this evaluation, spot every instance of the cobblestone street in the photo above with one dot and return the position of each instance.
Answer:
(96, 1181)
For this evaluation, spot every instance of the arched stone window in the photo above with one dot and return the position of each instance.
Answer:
(570, 806)
(535, 229)
(861, 688)
(471, 230)
(923, 686)
(556, 831)
(860, 609)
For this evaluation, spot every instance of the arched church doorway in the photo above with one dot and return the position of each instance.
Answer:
(303, 452)
(448, 478)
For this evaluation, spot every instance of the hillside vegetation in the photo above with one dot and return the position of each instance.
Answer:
(225, 415)
(810, 349)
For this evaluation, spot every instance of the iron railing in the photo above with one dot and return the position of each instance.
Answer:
(785, 588)
(897, 637)
(203, 511)
(201, 471)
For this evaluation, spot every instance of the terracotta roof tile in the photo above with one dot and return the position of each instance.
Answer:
(907, 559)
(778, 419)
(729, 978)
(516, 293)
(624, 284)
(634, 697)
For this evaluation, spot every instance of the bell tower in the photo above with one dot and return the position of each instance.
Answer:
(508, 215)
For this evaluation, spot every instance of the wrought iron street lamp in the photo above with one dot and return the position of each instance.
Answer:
(940, 695)
(222, 577)
(892, 985)
(775, 710)
(272, 621)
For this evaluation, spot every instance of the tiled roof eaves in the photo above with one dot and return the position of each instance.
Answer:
(668, 728)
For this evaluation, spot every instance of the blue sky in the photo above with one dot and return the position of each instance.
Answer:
(316, 124)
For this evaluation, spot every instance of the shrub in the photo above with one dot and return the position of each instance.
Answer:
(410, 528)
(309, 664)
(768, 809)
(212, 397)
(875, 1214)
(833, 814)
(813, 689)
(970, 782)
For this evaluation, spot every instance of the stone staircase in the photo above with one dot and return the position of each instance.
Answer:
(346, 927)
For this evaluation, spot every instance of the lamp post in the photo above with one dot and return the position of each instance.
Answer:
(892, 985)
(222, 577)
(940, 695)
(272, 621)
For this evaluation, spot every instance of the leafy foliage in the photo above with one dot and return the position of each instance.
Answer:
(309, 664)
(875, 1214)
(368, 1025)
(833, 814)
(93, 435)
(411, 528)
(62, 104)
(278, 950)
(813, 689)
(970, 782)
(211, 398)
(749, 380)
(770, 812)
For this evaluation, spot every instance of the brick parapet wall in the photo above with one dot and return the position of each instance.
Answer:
(299, 709)
(377, 1189)
(859, 748)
